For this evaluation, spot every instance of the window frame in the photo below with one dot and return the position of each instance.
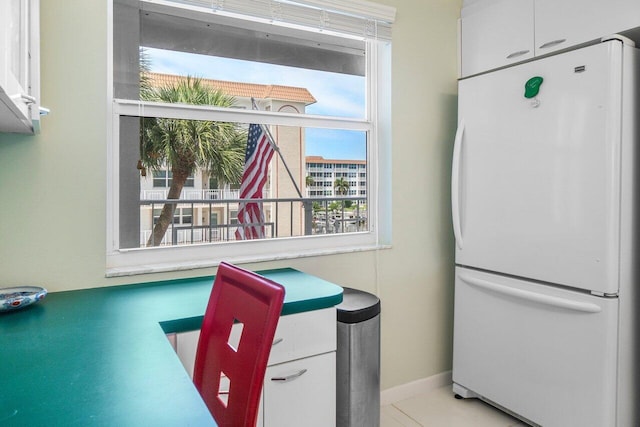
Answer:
(376, 124)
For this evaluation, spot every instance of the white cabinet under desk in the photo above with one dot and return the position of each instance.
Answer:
(299, 385)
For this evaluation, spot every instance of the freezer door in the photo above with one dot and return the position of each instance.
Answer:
(546, 354)
(535, 182)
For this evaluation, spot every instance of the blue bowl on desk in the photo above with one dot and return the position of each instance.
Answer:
(20, 296)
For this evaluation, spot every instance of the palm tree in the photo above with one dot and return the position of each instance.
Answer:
(341, 186)
(309, 181)
(186, 145)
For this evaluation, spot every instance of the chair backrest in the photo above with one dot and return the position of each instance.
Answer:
(229, 375)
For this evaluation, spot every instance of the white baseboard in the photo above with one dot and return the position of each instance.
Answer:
(414, 388)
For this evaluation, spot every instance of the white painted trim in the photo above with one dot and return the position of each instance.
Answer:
(414, 388)
(209, 263)
(126, 262)
(112, 148)
(128, 107)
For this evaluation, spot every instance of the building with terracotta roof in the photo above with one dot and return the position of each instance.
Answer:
(244, 91)
(213, 221)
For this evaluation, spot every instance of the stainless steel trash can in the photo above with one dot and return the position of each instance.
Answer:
(358, 360)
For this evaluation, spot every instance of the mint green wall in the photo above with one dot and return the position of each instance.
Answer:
(53, 185)
(52, 228)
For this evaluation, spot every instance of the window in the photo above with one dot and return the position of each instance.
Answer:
(190, 83)
(181, 215)
(164, 178)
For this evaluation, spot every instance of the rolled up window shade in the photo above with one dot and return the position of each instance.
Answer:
(358, 18)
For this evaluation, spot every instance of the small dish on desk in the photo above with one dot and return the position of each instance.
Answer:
(20, 296)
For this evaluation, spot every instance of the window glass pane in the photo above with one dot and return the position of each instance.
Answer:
(186, 215)
(285, 70)
(160, 178)
(275, 88)
(211, 210)
(163, 179)
(16, 33)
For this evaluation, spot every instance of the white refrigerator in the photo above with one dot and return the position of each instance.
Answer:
(545, 206)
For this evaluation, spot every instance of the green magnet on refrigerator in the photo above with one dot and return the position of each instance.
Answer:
(532, 87)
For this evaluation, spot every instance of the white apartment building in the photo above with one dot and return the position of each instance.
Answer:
(324, 173)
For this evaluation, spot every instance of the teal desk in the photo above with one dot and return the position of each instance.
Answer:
(100, 357)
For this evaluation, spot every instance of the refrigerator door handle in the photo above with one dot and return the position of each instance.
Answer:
(455, 182)
(532, 296)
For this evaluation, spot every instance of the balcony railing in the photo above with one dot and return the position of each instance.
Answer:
(191, 194)
(283, 218)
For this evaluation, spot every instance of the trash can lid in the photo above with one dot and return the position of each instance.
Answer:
(357, 306)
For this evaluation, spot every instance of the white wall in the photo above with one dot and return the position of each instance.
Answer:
(53, 185)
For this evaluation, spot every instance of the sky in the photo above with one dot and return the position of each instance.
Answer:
(337, 94)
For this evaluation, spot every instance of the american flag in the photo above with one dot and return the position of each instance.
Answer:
(256, 165)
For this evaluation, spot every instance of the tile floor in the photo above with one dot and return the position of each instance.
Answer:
(438, 408)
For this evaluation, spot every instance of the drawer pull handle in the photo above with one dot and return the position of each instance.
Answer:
(552, 43)
(518, 53)
(277, 341)
(289, 377)
(539, 298)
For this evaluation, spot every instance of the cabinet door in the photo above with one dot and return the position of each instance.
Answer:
(301, 393)
(186, 344)
(562, 24)
(19, 83)
(494, 34)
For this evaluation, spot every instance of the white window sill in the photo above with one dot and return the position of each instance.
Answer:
(165, 267)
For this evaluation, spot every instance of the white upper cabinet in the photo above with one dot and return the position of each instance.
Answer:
(19, 66)
(564, 23)
(495, 33)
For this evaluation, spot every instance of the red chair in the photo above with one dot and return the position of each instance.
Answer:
(230, 379)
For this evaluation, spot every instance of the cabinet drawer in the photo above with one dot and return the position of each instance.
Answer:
(545, 353)
(298, 335)
(304, 334)
(301, 393)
